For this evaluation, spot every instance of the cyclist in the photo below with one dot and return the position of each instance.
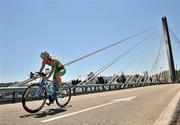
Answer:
(56, 67)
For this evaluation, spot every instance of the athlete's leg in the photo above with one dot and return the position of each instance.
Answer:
(58, 78)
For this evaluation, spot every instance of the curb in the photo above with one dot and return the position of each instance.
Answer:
(168, 115)
(176, 118)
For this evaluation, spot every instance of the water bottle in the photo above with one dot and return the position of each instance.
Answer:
(51, 90)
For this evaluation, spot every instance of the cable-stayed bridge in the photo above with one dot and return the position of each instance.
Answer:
(151, 62)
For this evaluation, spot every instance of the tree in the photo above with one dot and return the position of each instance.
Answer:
(122, 78)
(137, 76)
(75, 82)
(142, 79)
(101, 80)
(178, 75)
(150, 79)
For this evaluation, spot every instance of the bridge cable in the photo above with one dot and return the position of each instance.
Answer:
(115, 77)
(155, 60)
(135, 73)
(130, 75)
(149, 78)
(177, 40)
(138, 68)
(155, 64)
(119, 57)
(109, 46)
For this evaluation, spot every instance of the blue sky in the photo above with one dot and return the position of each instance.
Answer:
(69, 29)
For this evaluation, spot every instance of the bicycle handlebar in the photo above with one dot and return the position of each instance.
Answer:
(35, 75)
(41, 73)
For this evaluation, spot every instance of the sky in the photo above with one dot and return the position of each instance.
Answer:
(69, 29)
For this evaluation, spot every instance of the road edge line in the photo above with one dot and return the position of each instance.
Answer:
(167, 115)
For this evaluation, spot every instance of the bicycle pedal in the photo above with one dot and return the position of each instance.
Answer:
(50, 102)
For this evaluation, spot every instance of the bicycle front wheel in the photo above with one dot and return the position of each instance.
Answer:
(64, 96)
(34, 98)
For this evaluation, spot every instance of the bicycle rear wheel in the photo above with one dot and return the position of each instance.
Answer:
(34, 98)
(63, 97)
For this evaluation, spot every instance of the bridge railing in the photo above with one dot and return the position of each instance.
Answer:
(14, 94)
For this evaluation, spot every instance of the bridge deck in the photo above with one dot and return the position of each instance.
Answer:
(98, 109)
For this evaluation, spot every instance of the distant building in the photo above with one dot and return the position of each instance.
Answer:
(95, 79)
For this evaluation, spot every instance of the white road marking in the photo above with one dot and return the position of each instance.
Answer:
(167, 115)
(88, 109)
(124, 99)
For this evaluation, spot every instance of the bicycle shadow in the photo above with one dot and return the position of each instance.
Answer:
(47, 112)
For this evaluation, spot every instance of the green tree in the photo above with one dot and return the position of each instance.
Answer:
(101, 80)
(121, 79)
(75, 82)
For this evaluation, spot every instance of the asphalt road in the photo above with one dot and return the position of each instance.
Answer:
(137, 106)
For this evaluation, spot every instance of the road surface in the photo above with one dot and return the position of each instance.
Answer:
(137, 106)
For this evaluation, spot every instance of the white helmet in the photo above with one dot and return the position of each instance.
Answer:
(44, 54)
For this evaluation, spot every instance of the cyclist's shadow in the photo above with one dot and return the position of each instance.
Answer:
(47, 112)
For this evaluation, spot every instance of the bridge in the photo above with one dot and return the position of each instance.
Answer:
(148, 95)
(137, 106)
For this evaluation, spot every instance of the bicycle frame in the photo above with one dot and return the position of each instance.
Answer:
(42, 84)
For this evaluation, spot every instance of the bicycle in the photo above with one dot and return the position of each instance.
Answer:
(35, 96)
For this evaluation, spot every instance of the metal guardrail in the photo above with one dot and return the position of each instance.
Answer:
(12, 89)
(14, 94)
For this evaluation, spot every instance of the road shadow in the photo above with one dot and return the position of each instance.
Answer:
(47, 112)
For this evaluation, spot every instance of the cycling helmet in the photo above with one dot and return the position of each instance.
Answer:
(44, 54)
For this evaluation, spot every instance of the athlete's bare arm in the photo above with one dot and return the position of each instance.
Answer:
(42, 66)
(51, 72)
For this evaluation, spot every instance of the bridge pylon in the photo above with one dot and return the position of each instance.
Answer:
(172, 74)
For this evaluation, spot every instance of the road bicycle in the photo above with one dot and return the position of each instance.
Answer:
(35, 96)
